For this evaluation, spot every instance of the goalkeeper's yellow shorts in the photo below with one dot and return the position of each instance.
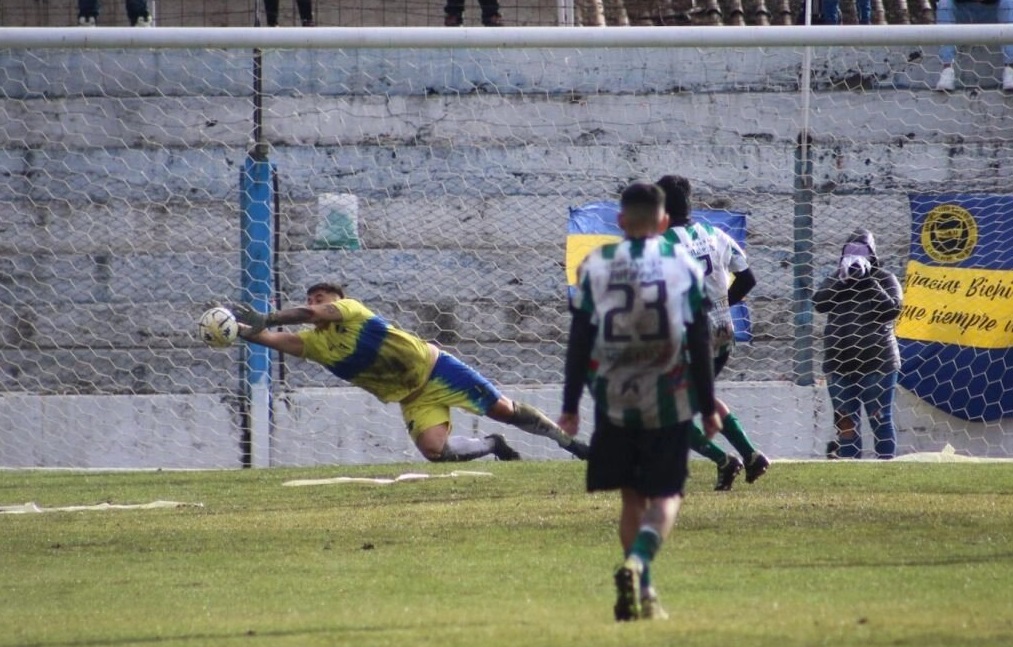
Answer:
(451, 384)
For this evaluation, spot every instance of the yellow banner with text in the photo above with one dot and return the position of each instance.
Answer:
(954, 305)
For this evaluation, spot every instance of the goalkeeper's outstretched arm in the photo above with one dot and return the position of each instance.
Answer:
(253, 326)
(317, 313)
(283, 342)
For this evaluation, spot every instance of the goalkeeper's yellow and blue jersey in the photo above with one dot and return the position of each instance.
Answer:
(641, 294)
(366, 350)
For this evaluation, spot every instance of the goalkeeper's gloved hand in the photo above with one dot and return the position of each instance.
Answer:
(246, 315)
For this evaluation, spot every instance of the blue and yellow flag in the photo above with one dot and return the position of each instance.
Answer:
(596, 223)
(956, 326)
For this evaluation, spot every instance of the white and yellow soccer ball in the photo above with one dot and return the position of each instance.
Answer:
(217, 327)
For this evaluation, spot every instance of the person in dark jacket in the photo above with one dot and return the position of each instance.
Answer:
(860, 355)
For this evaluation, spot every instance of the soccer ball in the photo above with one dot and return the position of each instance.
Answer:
(217, 327)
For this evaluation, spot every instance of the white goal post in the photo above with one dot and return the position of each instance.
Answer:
(435, 172)
(512, 37)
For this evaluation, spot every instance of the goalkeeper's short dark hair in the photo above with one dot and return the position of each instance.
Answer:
(677, 197)
(324, 286)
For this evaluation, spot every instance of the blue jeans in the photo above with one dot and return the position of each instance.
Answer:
(874, 392)
(832, 12)
(950, 12)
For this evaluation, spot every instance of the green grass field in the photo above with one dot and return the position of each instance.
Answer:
(813, 554)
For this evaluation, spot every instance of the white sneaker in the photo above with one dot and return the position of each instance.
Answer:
(947, 80)
(84, 21)
(1007, 78)
(144, 22)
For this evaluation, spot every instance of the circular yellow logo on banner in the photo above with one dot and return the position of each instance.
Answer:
(949, 234)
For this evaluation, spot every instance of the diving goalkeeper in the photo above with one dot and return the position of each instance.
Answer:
(359, 346)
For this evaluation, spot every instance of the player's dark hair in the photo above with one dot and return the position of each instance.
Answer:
(642, 194)
(330, 288)
(641, 201)
(677, 198)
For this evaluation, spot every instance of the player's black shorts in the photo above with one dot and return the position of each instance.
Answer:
(653, 462)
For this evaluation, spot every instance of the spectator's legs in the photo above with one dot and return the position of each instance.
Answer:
(878, 391)
(305, 12)
(845, 392)
(615, 13)
(453, 13)
(1005, 16)
(88, 9)
(864, 11)
(961, 13)
(639, 12)
(831, 12)
(590, 13)
(305, 7)
(137, 10)
(950, 12)
(946, 15)
(271, 12)
(849, 438)
(490, 13)
(1005, 11)
(1002, 13)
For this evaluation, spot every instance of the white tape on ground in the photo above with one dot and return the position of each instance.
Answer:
(382, 481)
(32, 507)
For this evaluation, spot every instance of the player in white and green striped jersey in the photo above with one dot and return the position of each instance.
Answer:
(640, 326)
(727, 280)
(641, 294)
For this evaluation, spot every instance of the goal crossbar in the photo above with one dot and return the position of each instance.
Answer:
(507, 37)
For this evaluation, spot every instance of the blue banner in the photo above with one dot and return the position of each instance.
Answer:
(955, 329)
(596, 223)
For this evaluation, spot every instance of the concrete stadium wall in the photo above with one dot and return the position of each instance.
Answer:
(119, 172)
(342, 426)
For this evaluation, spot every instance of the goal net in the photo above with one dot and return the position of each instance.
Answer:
(449, 179)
